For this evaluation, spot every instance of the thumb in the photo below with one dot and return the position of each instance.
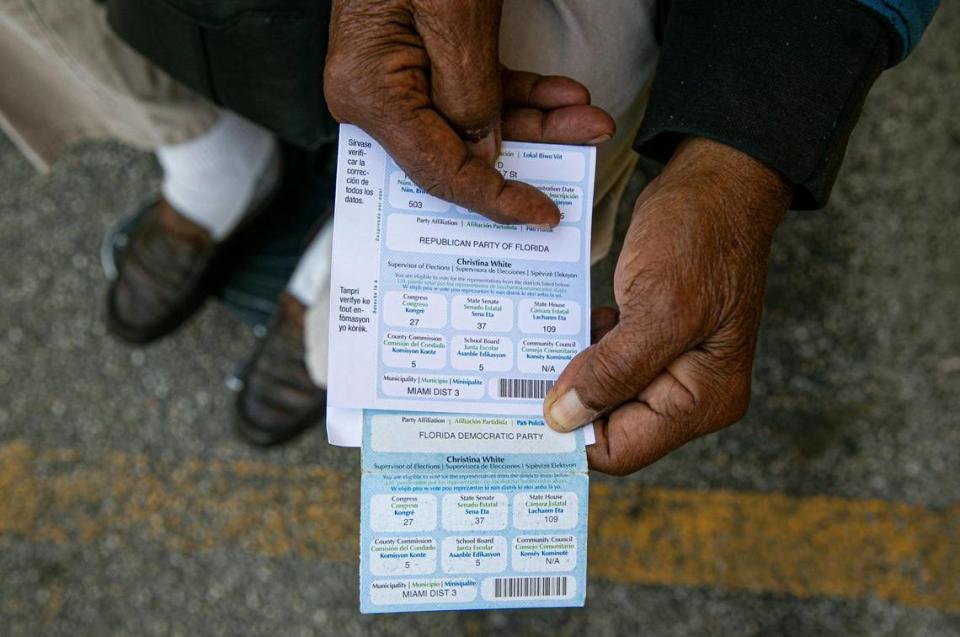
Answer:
(604, 376)
(462, 42)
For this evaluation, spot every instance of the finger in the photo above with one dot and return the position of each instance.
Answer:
(630, 438)
(608, 374)
(545, 92)
(581, 124)
(551, 109)
(523, 88)
(696, 394)
(602, 320)
(435, 158)
(462, 42)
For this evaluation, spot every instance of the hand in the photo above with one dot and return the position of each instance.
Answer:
(676, 362)
(423, 78)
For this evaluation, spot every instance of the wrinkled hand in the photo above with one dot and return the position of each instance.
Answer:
(423, 78)
(676, 363)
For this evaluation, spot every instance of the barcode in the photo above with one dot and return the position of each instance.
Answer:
(524, 388)
(529, 587)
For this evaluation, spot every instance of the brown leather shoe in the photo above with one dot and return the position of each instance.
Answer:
(279, 400)
(166, 272)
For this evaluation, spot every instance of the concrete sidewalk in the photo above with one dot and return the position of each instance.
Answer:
(127, 505)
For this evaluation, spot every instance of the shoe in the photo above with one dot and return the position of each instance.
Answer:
(166, 272)
(279, 400)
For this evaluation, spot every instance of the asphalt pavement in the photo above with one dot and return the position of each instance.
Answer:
(129, 507)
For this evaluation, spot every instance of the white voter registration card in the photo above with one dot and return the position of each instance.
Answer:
(470, 512)
(436, 308)
(446, 332)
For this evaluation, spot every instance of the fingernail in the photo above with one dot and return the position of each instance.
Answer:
(596, 141)
(567, 412)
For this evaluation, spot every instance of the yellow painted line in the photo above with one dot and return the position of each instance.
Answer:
(772, 542)
(761, 542)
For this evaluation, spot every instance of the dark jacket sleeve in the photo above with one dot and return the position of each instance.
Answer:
(781, 80)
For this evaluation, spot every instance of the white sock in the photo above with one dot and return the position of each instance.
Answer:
(215, 178)
(313, 271)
